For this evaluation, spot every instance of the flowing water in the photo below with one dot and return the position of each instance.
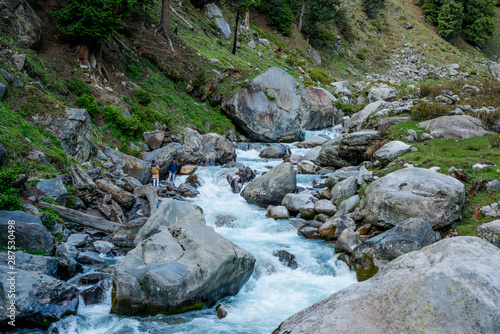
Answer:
(273, 293)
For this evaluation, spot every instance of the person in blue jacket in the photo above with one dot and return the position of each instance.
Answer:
(172, 170)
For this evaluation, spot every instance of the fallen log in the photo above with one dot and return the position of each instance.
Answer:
(83, 218)
(181, 18)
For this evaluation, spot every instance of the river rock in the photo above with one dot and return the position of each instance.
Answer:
(54, 188)
(275, 152)
(130, 165)
(125, 235)
(329, 154)
(326, 207)
(307, 167)
(345, 188)
(68, 267)
(295, 202)
(287, 259)
(103, 247)
(122, 197)
(455, 127)
(490, 232)
(278, 212)
(492, 210)
(73, 130)
(30, 233)
(96, 294)
(313, 154)
(211, 10)
(322, 111)
(154, 139)
(358, 121)
(409, 235)
(40, 299)
(341, 174)
(164, 156)
(413, 193)
(21, 18)
(392, 150)
(188, 169)
(312, 142)
(69, 248)
(185, 190)
(455, 278)
(347, 241)
(348, 205)
(46, 265)
(179, 264)
(211, 148)
(272, 109)
(271, 187)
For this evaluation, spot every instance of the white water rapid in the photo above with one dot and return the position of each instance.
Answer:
(273, 293)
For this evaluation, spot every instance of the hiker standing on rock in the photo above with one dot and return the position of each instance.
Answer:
(172, 170)
(155, 170)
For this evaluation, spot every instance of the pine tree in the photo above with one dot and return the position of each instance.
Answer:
(479, 20)
(450, 19)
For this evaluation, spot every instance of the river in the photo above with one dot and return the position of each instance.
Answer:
(273, 293)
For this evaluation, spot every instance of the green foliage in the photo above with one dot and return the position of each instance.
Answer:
(281, 16)
(142, 97)
(494, 140)
(293, 60)
(450, 20)
(124, 148)
(78, 87)
(375, 24)
(360, 55)
(51, 217)
(429, 110)
(20, 249)
(93, 20)
(371, 6)
(88, 102)
(321, 12)
(71, 200)
(345, 107)
(321, 76)
(128, 126)
(9, 197)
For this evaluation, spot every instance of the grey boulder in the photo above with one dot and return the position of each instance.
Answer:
(392, 150)
(73, 130)
(413, 193)
(164, 156)
(210, 148)
(275, 152)
(54, 188)
(490, 232)
(312, 142)
(455, 127)
(448, 287)
(271, 187)
(132, 166)
(30, 233)
(179, 264)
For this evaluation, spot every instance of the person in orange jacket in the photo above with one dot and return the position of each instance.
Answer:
(155, 170)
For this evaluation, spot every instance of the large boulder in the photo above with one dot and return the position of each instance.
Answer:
(382, 93)
(303, 203)
(179, 264)
(322, 111)
(275, 152)
(448, 287)
(271, 187)
(329, 154)
(313, 154)
(455, 127)
(40, 299)
(154, 139)
(413, 192)
(358, 121)
(164, 156)
(54, 188)
(211, 10)
(211, 148)
(46, 265)
(272, 109)
(223, 27)
(30, 234)
(132, 166)
(73, 130)
(490, 232)
(392, 150)
(495, 71)
(409, 235)
(312, 142)
(22, 20)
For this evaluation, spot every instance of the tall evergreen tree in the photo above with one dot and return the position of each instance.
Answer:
(479, 20)
(450, 19)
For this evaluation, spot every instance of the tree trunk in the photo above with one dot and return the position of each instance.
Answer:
(247, 20)
(164, 28)
(236, 30)
(302, 14)
(83, 218)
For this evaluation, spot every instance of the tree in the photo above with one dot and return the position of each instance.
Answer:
(479, 20)
(280, 15)
(431, 9)
(371, 6)
(246, 5)
(164, 28)
(322, 12)
(450, 20)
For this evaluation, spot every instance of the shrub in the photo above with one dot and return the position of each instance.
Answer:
(345, 107)
(9, 197)
(489, 118)
(360, 55)
(78, 87)
(281, 16)
(494, 139)
(321, 76)
(71, 201)
(429, 89)
(88, 102)
(50, 217)
(124, 148)
(429, 110)
(127, 125)
(143, 97)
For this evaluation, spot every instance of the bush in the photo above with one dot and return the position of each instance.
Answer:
(489, 118)
(360, 55)
(9, 197)
(143, 97)
(494, 139)
(50, 217)
(88, 102)
(429, 89)
(127, 125)
(321, 76)
(345, 107)
(281, 16)
(124, 148)
(78, 87)
(429, 110)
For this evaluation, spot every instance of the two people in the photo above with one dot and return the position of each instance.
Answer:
(172, 169)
